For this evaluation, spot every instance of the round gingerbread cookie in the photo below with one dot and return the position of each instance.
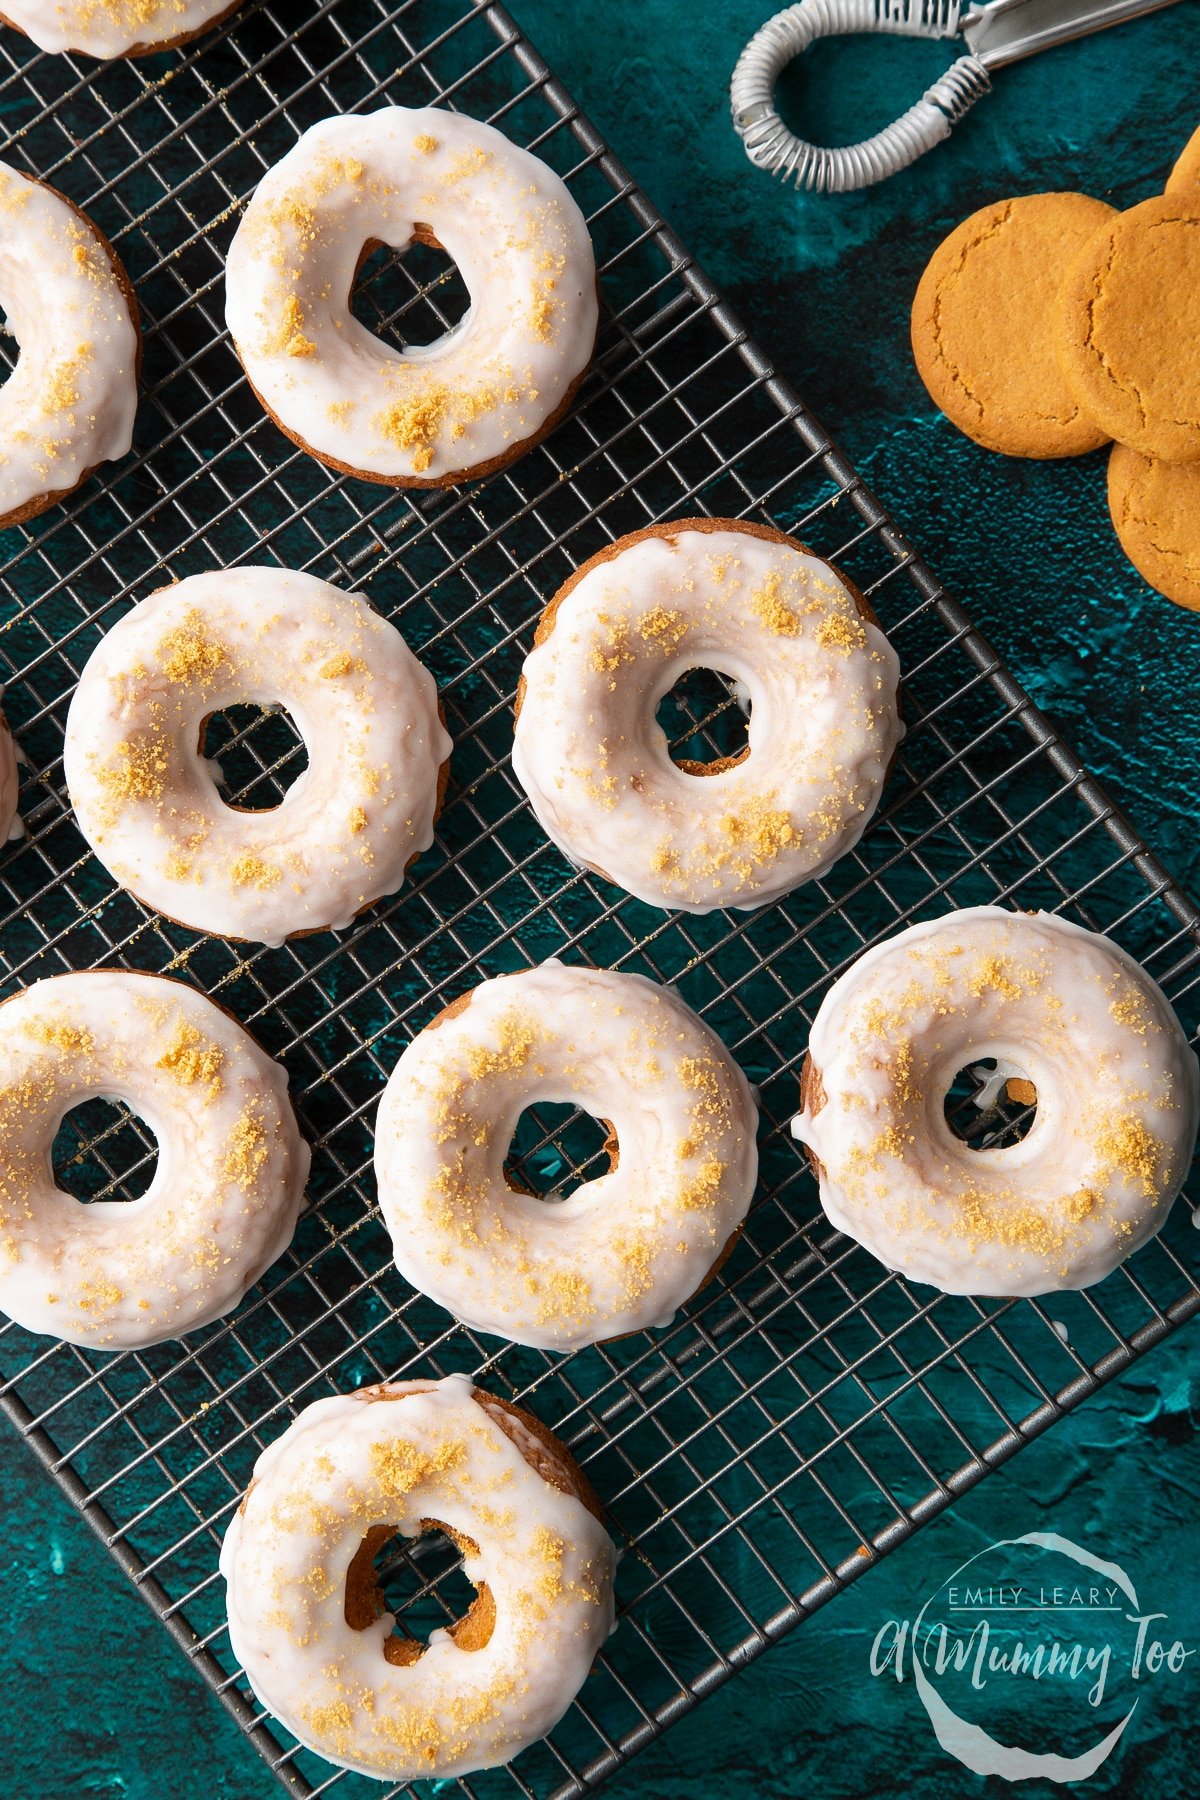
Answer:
(981, 331)
(1127, 325)
(1186, 173)
(1155, 507)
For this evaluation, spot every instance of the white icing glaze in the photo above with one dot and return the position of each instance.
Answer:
(628, 1247)
(430, 412)
(231, 1162)
(823, 726)
(10, 783)
(396, 1457)
(69, 404)
(106, 28)
(146, 798)
(1116, 1112)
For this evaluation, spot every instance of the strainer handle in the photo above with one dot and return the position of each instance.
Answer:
(771, 146)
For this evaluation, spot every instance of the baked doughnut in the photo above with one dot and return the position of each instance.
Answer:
(146, 798)
(307, 1619)
(231, 1162)
(108, 28)
(1074, 1024)
(981, 325)
(1155, 508)
(755, 605)
(10, 783)
(1127, 323)
(431, 414)
(69, 403)
(627, 1248)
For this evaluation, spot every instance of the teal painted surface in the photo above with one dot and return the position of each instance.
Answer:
(105, 1707)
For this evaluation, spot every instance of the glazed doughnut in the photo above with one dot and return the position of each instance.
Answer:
(109, 28)
(627, 1248)
(10, 783)
(231, 1162)
(431, 414)
(70, 402)
(822, 680)
(1068, 1016)
(145, 796)
(306, 1615)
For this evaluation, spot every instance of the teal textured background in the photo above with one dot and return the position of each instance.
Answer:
(103, 1706)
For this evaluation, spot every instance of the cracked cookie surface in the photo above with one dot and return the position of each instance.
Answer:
(1155, 508)
(981, 325)
(1127, 323)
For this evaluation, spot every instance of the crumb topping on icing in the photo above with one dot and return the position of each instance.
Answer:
(249, 869)
(540, 1562)
(1066, 1020)
(770, 605)
(475, 394)
(518, 1034)
(818, 683)
(189, 653)
(62, 1034)
(157, 809)
(185, 1251)
(398, 1467)
(137, 769)
(192, 1060)
(627, 1245)
(248, 1146)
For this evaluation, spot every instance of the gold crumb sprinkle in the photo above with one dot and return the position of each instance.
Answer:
(99, 1296)
(61, 392)
(290, 339)
(341, 663)
(252, 870)
(1132, 1150)
(413, 423)
(193, 1061)
(563, 1296)
(60, 1035)
(246, 1151)
(771, 607)
(518, 1035)
(188, 654)
(399, 1466)
(842, 631)
(136, 770)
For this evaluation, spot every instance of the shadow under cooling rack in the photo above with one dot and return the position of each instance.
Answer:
(807, 1411)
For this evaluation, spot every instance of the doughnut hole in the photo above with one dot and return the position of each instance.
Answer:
(422, 1583)
(990, 1111)
(556, 1148)
(102, 1151)
(258, 753)
(409, 297)
(705, 719)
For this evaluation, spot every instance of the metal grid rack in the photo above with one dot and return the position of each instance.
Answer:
(808, 1411)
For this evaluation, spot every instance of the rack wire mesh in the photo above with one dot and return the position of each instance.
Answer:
(808, 1411)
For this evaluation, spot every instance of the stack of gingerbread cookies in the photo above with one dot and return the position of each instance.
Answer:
(1051, 324)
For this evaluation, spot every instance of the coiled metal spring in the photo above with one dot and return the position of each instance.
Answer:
(769, 143)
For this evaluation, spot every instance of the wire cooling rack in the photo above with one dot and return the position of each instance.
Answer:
(808, 1411)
